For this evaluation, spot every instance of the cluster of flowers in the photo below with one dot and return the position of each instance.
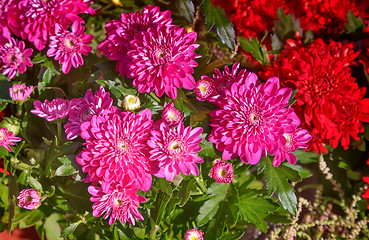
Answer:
(328, 100)
(253, 119)
(41, 22)
(149, 48)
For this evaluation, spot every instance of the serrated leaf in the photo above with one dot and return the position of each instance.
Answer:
(303, 172)
(306, 157)
(277, 179)
(215, 16)
(186, 9)
(70, 229)
(253, 46)
(354, 23)
(66, 169)
(184, 193)
(207, 148)
(286, 26)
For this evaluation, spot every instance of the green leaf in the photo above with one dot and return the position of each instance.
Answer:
(306, 157)
(165, 186)
(253, 46)
(186, 9)
(66, 169)
(277, 179)
(207, 148)
(215, 16)
(184, 193)
(303, 172)
(232, 236)
(117, 88)
(354, 23)
(70, 229)
(23, 177)
(34, 183)
(52, 228)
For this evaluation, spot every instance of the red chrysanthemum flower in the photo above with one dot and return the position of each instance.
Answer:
(29, 199)
(118, 202)
(39, 18)
(116, 148)
(163, 60)
(14, 57)
(82, 110)
(119, 33)
(68, 47)
(222, 172)
(327, 95)
(8, 138)
(174, 150)
(56, 109)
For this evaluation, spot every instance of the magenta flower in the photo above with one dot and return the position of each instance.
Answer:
(40, 18)
(20, 92)
(8, 138)
(82, 110)
(163, 60)
(29, 199)
(193, 234)
(170, 115)
(56, 109)
(252, 119)
(222, 172)
(68, 47)
(174, 150)
(14, 57)
(117, 202)
(9, 20)
(119, 33)
(294, 140)
(116, 148)
(204, 90)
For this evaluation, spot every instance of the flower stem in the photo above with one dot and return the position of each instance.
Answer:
(60, 136)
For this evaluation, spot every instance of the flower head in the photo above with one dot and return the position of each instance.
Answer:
(9, 19)
(20, 92)
(118, 202)
(68, 47)
(8, 138)
(82, 110)
(222, 172)
(29, 199)
(170, 115)
(116, 148)
(14, 57)
(193, 234)
(56, 109)
(163, 60)
(203, 90)
(174, 150)
(131, 103)
(119, 33)
(366, 193)
(252, 119)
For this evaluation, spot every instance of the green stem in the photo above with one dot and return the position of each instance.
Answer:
(60, 136)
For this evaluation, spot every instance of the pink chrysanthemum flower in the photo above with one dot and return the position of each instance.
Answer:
(170, 115)
(8, 138)
(174, 150)
(9, 19)
(20, 92)
(252, 119)
(29, 199)
(56, 109)
(119, 33)
(222, 172)
(116, 148)
(14, 57)
(40, 18)
(82, 110)
(193, 234)
(117, 202)
(68, 47)
(163, 60)
(294, 140)
(204, 90)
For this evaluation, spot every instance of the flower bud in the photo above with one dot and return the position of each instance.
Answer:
(131, 103)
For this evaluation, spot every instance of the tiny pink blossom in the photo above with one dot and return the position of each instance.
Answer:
(222, 172)
(193, 234)
(174, 150)
(170, 115)
(14, 58)
(68, 47)
(29, 199)
(8, 138)
(20, 92)
(56, 109)
(118, 202)
(204, 90)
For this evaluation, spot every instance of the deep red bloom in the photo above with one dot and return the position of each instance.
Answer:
(366, 193)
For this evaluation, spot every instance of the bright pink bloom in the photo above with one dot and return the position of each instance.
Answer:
(14, 57)
(193, 234)
(7, 138)
(29, 199)
(20, 92)
(170, 115)
(56, 109)
(82, 110)
(9, 19)
(252, 119)
(68, 47)
(294, 140)
(116, 148)
(174, 150)
(119, 33)
(40, 18)
(204, 90)
(118, 202)
(222, 172)
(163, 60)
